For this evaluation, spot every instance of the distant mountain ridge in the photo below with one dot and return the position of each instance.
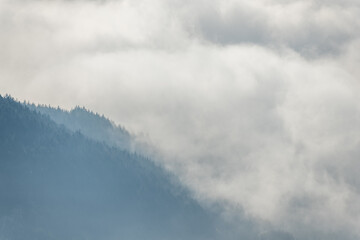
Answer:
(88, 123)
(59, 184)
(73, 175)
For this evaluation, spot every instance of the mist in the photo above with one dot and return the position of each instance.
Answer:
(254, 106)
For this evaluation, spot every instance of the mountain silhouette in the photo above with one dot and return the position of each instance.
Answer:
(56, 183)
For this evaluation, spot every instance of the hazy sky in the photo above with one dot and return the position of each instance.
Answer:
(253, 104)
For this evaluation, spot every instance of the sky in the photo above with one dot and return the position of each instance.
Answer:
(254, 105)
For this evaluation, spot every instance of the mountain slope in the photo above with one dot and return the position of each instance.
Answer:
(56, 184)
(88, 123)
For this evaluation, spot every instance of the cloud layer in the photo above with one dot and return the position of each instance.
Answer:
(253, 105)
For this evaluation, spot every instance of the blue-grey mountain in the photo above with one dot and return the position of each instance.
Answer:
(59, 184)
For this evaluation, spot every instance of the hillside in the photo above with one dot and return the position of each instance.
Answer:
(59, 184)
(90, 124)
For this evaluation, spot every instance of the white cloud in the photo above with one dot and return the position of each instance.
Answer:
(256, 123)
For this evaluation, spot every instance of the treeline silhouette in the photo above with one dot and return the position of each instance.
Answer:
(56, 183)
(89, 123)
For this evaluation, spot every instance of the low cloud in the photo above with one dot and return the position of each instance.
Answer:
(312, 28)
(254, 106)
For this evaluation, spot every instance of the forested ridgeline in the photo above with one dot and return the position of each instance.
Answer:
(55, 183)
(92, 125)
